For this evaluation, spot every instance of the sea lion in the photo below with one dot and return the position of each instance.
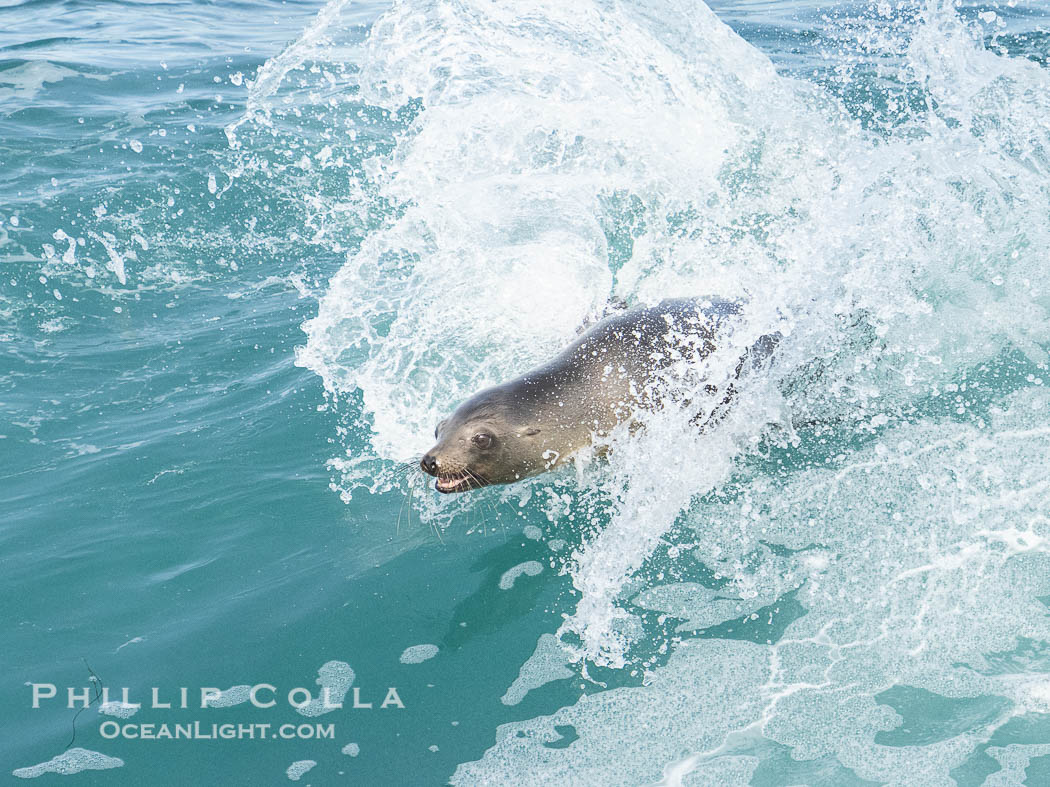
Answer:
(537, 421)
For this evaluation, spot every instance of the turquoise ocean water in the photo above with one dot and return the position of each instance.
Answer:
(252, 252)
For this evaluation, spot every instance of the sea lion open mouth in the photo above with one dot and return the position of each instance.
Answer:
(457, 483)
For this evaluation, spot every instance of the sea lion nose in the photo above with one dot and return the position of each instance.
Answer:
(430, 464)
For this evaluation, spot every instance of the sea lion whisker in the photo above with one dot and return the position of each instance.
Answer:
(413, 481)
(394, 472)
(479, 476)
(475, 478)
(496, 516)
(411, 491)
(480, 481)
(405, 499)
(437, 533)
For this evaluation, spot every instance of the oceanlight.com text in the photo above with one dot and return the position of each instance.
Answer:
(197, 731)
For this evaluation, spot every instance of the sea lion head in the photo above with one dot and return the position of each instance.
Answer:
(487, 440)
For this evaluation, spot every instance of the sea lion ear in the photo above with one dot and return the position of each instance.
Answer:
(531, 432)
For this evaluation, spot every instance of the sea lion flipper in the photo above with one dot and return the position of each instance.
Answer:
(757, 356)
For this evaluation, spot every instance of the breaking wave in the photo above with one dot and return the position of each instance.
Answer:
(872, 512)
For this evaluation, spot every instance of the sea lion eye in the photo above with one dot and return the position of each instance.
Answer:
(437, 429)
(482, 440)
